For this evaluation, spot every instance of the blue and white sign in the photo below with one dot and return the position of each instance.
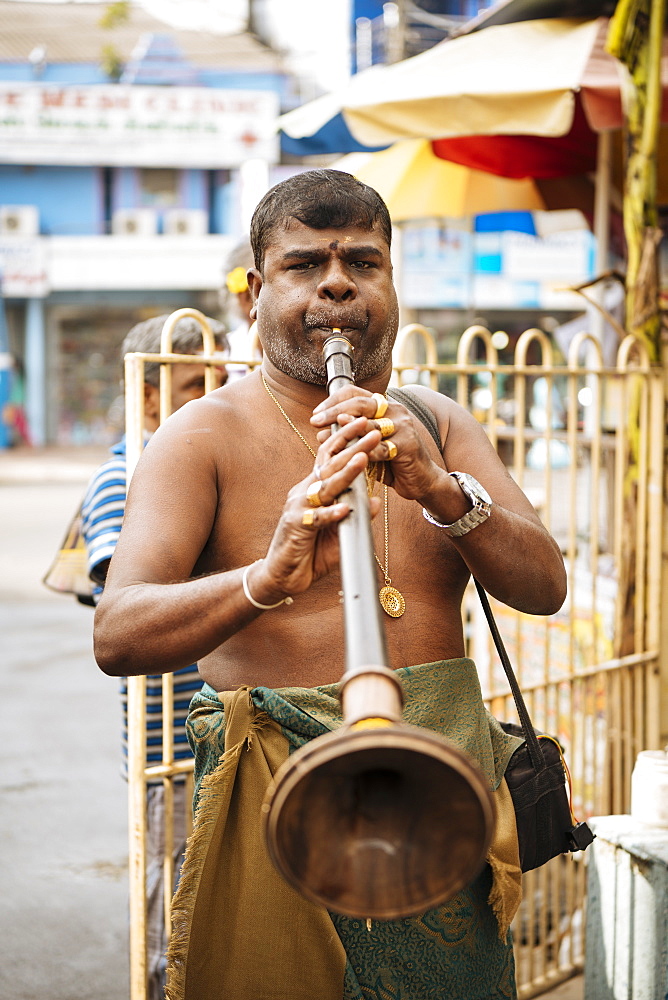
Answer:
(444, 266)
(127, 125)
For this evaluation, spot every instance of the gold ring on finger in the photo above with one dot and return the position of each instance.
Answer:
(313, 494)
(307, 518)
(381, 405)
(391, 450)
(385, 426)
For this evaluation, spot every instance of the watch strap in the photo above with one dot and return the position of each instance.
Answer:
(463, 525)
(478, 513)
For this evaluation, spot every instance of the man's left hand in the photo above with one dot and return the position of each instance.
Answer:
(409, 469)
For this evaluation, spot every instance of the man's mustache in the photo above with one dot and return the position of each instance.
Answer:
(352, 320)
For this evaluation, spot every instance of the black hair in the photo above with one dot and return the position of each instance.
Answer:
(320, 199)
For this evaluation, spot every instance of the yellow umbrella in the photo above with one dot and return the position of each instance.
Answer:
(416, 184)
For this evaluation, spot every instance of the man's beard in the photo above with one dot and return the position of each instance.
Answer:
(307, 367)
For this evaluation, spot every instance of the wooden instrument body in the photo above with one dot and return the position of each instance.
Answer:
(377, 819)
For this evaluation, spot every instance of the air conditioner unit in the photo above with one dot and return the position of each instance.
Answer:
(134, 222)
(186, 222)
(19, 220)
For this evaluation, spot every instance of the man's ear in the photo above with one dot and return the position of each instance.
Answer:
(254, 285)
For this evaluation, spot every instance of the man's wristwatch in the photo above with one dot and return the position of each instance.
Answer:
(482, 507)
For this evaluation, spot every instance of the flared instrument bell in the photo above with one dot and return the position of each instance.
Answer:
(379, 822)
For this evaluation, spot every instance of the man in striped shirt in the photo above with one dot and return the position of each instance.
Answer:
(102, 516)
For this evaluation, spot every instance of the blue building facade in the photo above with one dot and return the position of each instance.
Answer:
(120, 196)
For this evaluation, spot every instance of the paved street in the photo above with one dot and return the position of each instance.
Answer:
(63, 919)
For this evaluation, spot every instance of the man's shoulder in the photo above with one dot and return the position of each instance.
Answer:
(420, 398)
(222, 409)
(209, 429)
(224, 403)
(429, 396)
(430, 406)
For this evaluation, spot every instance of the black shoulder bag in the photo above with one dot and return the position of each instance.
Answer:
(536, 773)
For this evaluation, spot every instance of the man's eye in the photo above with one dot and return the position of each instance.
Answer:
(363, 265)
(303, 265)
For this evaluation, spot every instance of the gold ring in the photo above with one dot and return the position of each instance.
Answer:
(313, 494)
(391, 450)
(381, 405)
(307, 518)
(385, 426)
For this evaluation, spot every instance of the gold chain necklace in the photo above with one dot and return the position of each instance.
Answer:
(391, 600)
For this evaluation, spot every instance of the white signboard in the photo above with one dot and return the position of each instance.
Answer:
(560, 258)
(118, 125)
(444, 267)
(23, 267)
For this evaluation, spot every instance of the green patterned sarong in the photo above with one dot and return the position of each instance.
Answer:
(453, 951)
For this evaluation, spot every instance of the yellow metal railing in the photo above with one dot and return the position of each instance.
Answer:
(577, 437)
(579, 448)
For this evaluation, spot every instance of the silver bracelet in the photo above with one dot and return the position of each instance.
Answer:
(256, 604)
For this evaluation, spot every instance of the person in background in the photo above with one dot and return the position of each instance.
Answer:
(102, 516)
(237, 302)
(14, 413)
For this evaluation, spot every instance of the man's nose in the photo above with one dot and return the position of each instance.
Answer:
(337, 283)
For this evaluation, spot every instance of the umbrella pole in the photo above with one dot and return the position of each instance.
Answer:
(595, 315)
(601, 228)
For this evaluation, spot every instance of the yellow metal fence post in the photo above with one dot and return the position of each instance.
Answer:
(604, 707)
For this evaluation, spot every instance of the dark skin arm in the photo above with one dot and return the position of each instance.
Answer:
(180, 611)
(177, 619)
(511, 554)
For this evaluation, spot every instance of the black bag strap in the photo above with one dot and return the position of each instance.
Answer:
(426, 417)
(533, 746)
(419, 410)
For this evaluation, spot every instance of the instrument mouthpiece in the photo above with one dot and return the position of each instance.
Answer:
(337, 353)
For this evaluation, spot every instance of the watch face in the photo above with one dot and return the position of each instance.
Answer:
(473, 488)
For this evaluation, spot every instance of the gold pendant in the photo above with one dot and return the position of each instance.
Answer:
(392, 602)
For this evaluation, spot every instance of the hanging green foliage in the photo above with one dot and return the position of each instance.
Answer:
(635, 38)
(115, 14)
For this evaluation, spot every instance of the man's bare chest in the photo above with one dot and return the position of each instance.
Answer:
(413, 554)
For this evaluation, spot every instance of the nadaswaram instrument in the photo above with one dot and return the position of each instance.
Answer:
(378, 819)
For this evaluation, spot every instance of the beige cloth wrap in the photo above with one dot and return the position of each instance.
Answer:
(230, 891)
(231, 894)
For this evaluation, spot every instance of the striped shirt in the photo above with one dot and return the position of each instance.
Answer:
(102, 516)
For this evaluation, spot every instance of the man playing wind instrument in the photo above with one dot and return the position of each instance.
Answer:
(215, 565)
